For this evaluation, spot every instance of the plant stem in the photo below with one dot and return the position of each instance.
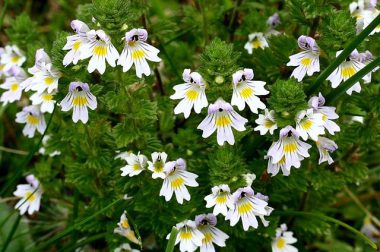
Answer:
(330, 219)
(345, 53)
(9, 150)
(172, 238)
(351, 81)
(10, 235)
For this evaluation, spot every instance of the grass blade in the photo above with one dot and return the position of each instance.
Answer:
(172, 238)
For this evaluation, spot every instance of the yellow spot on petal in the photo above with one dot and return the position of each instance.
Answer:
(14, 87)
(177, 182)
(79, 101)
(192, 95)
(306, 62)
(100, 51)
(47, 97)
(76, 45)
(244, 208)
(221, 199)
(282, 161)
(268, 124)
(2, 67)
(138, 54)
(207, 238)
(30, 196)
(158, 166)
(14, 59)
(306, 124)
(136, 167)
(186, 235)
(324, 117)
(281, 243)
(347, 72)
(222, 121)
(125, 224)
(246, 92)
(32, 120)
(290, 147)
(48, 81)
(256, 44)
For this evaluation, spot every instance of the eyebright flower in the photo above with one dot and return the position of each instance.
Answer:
(220, 199)
(274, 168)
(325, 146)
(307, 61)
(206, 224)
(246, 207)
(366, 58)
(255, 40)
(77, 43)
(30, 195)
(99, 49)
(124, 229)
(283, 240)
(137, 52)
(157, 165)
(267, 208)
(192, 94)
(12, 56)
(188, 237)
(289, 147)
(44, 99)
(310, 124)
(328, 113)
(13, 85)
(364, 11)
(78, 99)
(33, 119)
(246, 90)
(273, 20)
(222, 118)
(136, 164)
(176, 180)
(125, 248)
(266, 122)
(347, 69)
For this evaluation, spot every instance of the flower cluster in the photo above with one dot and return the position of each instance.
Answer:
(174, 174)
(221, 115)
(97, 45)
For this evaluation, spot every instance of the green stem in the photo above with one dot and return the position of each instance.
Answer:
(9, 150)
(329, 219)
(172, 238)
(3, 10)
(345, 53)
(351, 81)
(15, 177)
(10, 235)
(70, 229)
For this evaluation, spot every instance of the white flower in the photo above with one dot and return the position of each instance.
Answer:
(78, 99)
(33, 119)
(77, 43)
(267, 208)
(246, 207)
(222, 118)
(42, 150)
(192, 94)
(44, 99)
(307, 61)
(12, 56)
(206, 224)
(136, 164)
(345, 70)
(157, 165)
(125, 248)
(137, 52)
(13, 86)
(99, 49)
(220, 199)
(246, 90)
(366, 58)
(188, 237)
(274, 168)
(328, 113)
(124, 229)
(255, 40)
(176, 180)
(325, 146)
(283, 240)
(310, 124)
(290, 147)
(266, 122)
(30, 195)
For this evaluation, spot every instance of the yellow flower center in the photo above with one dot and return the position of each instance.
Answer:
(324, 117)
(347, 72)
(245, 207)
(290, 147)
(100, 50)
(14, 87)
(49, 81)
(256, 44)
(32, 120)
(306, 62)
(222, 121)
(177, 182)
(246, 92)
(136, 167)
(192, 95)
(282, 161)
(47, 97)
(125, 224)
(79, 101)
(158, 166)
(186, 235)
(76, 45)
(138, 54)
(207, 238)
(268, 124)
(30, 196)
(281, 243)
(14, 59)
(221, 199)
(306, 124)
